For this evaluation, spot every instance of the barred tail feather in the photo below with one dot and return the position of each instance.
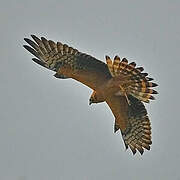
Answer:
(142, 90)
(135, 81)
(116, 65)
(110, 66)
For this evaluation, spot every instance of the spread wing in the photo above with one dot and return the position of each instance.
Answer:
(133, 122)
(68, 62)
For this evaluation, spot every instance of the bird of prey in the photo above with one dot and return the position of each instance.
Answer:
(122, 85)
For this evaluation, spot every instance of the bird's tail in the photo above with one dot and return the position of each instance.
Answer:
(132, 81)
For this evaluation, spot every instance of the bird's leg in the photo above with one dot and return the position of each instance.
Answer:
(124, 93)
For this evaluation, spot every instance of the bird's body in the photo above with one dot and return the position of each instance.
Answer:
(119, 84)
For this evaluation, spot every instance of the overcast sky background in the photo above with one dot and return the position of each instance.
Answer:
(47, 129)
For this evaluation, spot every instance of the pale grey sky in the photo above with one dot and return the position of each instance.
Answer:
(47, 129)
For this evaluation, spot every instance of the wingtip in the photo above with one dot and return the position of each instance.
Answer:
(27, 47)
(39, 62)
(33, 36)
(27, 40)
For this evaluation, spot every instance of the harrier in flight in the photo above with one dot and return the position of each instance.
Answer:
(122, 85)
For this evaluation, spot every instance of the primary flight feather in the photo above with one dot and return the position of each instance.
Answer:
(122, 85)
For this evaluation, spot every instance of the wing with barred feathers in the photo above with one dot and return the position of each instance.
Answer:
(131, 79)
(133, 122)
(68, 62)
